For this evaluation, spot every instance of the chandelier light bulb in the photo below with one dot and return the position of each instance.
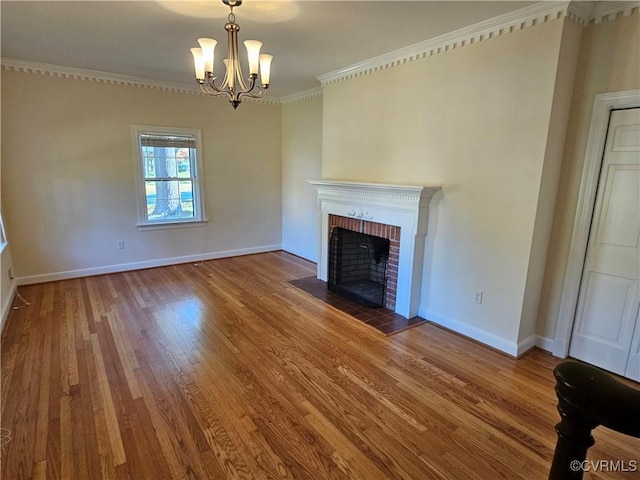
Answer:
(208, 46)
(253, 52)
(198, 61)
(265, 68)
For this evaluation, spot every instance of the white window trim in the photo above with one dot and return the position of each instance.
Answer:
(143, 222)
(3, 235)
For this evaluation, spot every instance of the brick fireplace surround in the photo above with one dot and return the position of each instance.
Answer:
(390, 232)
(397, 212)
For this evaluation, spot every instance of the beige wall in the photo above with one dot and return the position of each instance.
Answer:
(67, 174)
(558, 124)
(474, 120)
(301, 161)
(609, 62)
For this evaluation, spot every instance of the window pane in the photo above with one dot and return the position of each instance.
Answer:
(160, 162)
(186, 197)
(147, 162)
(183, 161)
(150, 195)
(168, 200)
(167, 162)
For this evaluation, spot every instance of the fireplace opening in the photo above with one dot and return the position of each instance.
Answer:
(358, 266)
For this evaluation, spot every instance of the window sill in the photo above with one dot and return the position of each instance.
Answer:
(171, 225)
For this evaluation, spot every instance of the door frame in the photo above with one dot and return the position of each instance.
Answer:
(603, 105)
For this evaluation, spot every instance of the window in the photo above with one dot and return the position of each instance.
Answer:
(168, 175)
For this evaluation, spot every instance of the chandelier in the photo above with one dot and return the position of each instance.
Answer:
(233, 85)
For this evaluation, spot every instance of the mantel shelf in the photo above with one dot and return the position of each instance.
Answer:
(377, 189)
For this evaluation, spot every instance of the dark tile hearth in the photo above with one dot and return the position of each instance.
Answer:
(382, 319)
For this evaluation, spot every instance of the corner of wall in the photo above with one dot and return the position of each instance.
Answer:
(301, 161)
(568, 54)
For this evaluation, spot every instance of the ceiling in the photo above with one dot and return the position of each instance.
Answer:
(151, 39)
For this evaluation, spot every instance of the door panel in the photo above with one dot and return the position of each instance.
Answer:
(609, 297)
(606, 297)
(621, 226)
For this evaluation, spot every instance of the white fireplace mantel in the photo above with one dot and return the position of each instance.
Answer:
(405, 206)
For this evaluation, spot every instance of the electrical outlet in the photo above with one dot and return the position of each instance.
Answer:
(120, 244)
(477, 298)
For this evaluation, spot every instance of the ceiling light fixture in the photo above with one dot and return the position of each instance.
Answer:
(233, 85)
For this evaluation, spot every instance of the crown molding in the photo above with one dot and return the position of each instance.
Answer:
(301, 96)
(604, 11)
(525, 17)
(581, 12)
(72, 73)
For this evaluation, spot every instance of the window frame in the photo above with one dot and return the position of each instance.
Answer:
(196, 177)
(3, 234)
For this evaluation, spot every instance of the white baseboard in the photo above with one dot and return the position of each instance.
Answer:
(6, 308)
(489, 339)
(545, 343)
(527, 344)
(510, 348)
(300, 253)
(124, 267)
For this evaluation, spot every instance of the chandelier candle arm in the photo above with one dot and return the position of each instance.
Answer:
(233, 84)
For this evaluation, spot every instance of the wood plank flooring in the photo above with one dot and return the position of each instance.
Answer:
(223, 370)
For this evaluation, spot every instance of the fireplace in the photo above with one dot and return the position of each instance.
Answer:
(358, 266)
(398, 213)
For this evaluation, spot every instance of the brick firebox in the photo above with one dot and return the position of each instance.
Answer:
(390, 232)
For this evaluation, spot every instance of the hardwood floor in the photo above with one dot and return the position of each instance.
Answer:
(224, 370)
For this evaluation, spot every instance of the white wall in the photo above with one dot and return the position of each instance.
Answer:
(68, 184)
(301, 161)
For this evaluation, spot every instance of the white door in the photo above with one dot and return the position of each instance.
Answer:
(605, 329)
